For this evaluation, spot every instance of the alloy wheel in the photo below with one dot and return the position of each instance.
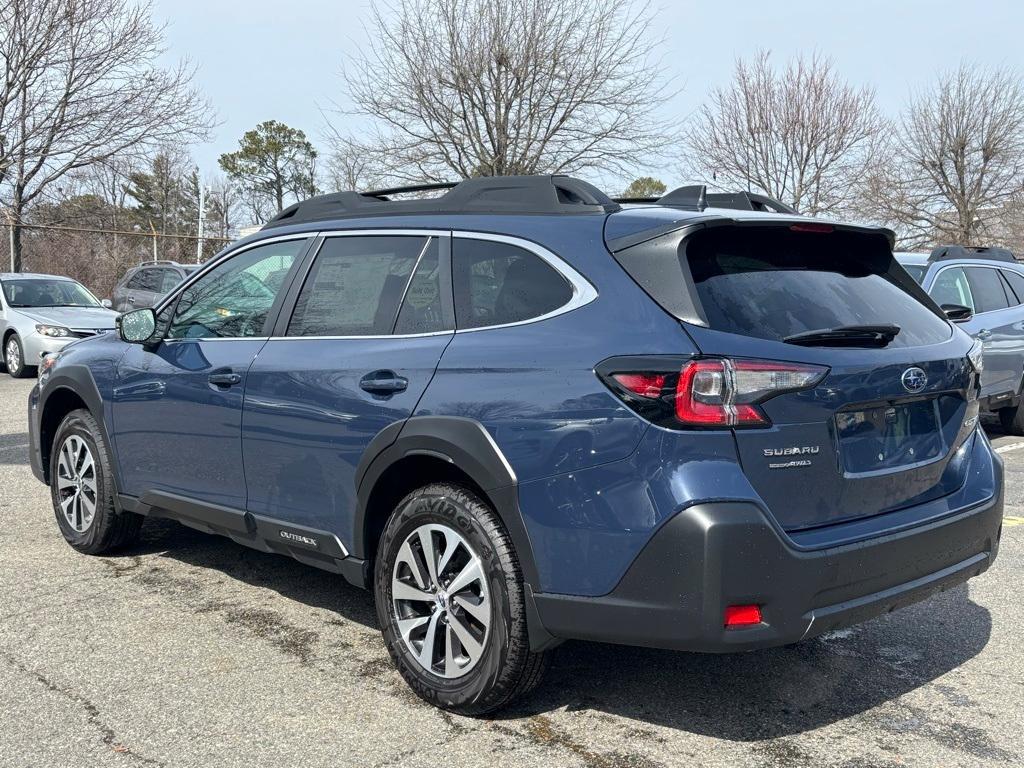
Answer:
(441, 600)
(12, 355)
(76, 483)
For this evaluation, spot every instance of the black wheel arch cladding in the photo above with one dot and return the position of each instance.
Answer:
(464, 443)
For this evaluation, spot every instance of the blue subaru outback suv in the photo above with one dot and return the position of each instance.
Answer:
(521, 412)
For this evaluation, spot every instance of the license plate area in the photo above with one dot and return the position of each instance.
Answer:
(890, 436)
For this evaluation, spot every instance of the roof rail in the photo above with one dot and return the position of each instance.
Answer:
(695, 197)
(489, 194)
(161, 261)
(946, 252)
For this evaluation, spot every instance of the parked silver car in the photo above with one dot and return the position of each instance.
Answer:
(146, 284)
(40, 314)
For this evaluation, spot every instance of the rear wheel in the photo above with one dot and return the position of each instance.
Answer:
(82, 488)
(450, 602)
(14, 357)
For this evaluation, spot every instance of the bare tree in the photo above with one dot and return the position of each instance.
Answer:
(354, 166)
(494, 87)
(955, 169)
(81, 85)
(800, 135)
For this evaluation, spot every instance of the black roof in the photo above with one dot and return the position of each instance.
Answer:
(508, 194)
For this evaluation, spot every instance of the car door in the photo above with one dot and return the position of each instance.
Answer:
(177, 404)
(367, 329)
(996, 325)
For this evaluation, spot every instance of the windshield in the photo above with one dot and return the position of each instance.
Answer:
(48, 293)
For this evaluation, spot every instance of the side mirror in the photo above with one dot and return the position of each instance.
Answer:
(958, 313)
(137, 327)
(107, 303)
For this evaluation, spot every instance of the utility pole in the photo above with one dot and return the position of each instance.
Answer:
(10, 232)
(202, 217)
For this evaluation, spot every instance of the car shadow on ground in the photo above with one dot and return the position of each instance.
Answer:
(742, 697)
(287, 577)
(775, 692)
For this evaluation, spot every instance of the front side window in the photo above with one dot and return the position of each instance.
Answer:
(498, 283)
(234, 299)
(987, 289)
(356, 284)
(144, 280)
(951, 287)
(47, 293)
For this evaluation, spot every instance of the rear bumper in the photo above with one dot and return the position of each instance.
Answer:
(712, 555)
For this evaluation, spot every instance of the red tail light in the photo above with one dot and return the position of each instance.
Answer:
(707, 392)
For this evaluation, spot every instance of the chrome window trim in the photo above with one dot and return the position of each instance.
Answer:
(965, 267)
(583, 291)
(449, 332)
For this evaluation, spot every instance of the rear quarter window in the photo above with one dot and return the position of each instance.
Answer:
(771, 283)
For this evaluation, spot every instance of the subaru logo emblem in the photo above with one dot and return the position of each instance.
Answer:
(914, 379)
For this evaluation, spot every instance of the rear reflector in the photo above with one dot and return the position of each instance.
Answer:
(642, 384)
(742, 616)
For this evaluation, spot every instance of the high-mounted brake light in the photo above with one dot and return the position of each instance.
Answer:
(811, 226)
(706, 393)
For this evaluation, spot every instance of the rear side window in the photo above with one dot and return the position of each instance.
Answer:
(356, 285)
(772, 283)
(951, 287)
(916, 271)
(1016, 283)
(421, 310)
(499, 283)
(987, 289)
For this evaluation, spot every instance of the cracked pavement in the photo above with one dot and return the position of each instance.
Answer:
(189, 650)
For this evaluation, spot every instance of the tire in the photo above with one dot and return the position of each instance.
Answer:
(14, 358)
(1012, 419)
(82, 488)
(494, 665)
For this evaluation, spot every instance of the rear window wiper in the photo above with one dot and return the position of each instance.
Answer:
(846, 336)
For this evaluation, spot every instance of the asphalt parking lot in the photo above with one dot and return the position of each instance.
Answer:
(189, 650)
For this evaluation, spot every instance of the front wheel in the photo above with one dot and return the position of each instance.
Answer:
(82, 488)
(450, 602)
(14, 357)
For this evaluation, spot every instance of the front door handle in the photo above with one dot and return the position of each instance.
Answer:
(383, 383)
(225, 379)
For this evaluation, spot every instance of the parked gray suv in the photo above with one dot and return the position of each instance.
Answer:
(146, 284)
(987, 284)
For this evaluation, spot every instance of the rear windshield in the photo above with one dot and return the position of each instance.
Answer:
(771, 283)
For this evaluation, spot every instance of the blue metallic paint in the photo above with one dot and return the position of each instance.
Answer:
(595, 482)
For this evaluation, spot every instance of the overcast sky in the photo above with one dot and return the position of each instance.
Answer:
(268, 59)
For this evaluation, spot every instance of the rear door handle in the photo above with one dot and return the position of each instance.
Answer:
(225, 379)
(383, 382)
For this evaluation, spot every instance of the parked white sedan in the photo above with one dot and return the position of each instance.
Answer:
(40, 314)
